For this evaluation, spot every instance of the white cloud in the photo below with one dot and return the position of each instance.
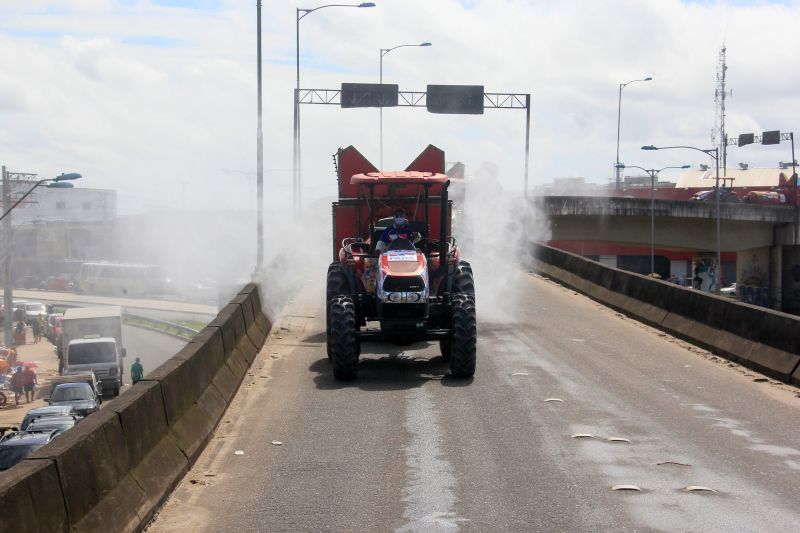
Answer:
(77, 94)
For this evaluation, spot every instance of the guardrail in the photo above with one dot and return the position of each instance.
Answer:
(162, 326)
(760, 338)
(113, 470)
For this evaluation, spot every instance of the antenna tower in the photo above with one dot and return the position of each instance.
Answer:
(719, 137)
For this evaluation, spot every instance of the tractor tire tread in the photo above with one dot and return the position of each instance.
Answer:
(465, 334)
(342, 339)
(464, 281)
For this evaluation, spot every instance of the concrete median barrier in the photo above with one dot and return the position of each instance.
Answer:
(766, 340)
(113, 470)
(32, 499)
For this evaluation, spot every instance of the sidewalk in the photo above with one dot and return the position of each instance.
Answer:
(44, 355)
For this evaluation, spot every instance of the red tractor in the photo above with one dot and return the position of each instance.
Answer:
(413, 290)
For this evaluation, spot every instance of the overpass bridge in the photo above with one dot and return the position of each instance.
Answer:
(758, 243)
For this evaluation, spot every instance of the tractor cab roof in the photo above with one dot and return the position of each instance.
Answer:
(399, 178)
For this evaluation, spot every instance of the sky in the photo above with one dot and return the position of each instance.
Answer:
(157, 98)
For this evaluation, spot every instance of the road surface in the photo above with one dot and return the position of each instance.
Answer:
(405, 448)
(152, 347)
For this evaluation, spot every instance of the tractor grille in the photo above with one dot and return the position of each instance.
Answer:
(403, 284)
(404, 310)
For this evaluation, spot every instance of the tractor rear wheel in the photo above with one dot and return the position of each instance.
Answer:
(463, 280)
(336, 286)
(343, 345)
(464, 339)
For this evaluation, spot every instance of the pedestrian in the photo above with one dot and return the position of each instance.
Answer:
(19, 333)
(16, 384)
(42, 322)
(29, 381)
(37, 331)
(11, 357)
(137, 371)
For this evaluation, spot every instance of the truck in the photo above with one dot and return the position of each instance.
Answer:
(414, 290)
(91, 341)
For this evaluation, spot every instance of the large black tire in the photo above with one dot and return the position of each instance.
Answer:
(464, 339)
(342, 342)
(463, 280)
(336, 285)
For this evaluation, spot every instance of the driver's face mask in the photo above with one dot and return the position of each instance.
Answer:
(399, 221)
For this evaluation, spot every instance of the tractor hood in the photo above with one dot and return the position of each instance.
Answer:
(402, 272)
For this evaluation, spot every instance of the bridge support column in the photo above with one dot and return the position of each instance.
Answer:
(790, 279)
(775, 275)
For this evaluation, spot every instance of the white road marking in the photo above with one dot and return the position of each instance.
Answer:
(429, 492)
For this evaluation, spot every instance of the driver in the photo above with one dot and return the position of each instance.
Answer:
(398, 230)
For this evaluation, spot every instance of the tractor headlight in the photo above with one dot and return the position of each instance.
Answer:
(413, 297)
(394, 297)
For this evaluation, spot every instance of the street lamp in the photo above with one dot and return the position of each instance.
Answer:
(300, 14)
(63, 177)
(713, 152)
(7, 289)
(385, 51)
(652, 173)
(619, 117)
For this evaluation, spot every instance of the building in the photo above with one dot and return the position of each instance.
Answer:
(57, 228)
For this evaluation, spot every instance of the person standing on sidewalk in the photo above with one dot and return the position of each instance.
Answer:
(29, 381)
(16, 384)
(37, 331)
(41, 321)
(137, 371)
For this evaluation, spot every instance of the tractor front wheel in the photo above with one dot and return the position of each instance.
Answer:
(343, 345)
(464, 339)
(463, 280)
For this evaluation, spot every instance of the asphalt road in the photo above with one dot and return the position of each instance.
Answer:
(405, 448)
(152, 347)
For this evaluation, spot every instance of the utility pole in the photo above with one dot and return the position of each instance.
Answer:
(8, 238)
(720, 95)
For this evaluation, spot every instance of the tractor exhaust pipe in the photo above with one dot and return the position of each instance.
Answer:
(443, 232)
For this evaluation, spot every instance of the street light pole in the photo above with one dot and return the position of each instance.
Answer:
(619, 120)
(259, 158)
(713, 152)
(8, 334)
(300, 13)
(383, 52)
(8, 239)
(653, 173)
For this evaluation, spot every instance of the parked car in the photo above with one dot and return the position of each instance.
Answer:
(80, 396)
(59, 283)
(43, 412)
(53, 423)
(52, 327)
(17, 446)
(33, 310)
(730, 289)
(725, 195)
(774, 197)
(15, 305)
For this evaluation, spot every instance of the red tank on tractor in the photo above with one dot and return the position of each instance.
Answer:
(412, 291)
